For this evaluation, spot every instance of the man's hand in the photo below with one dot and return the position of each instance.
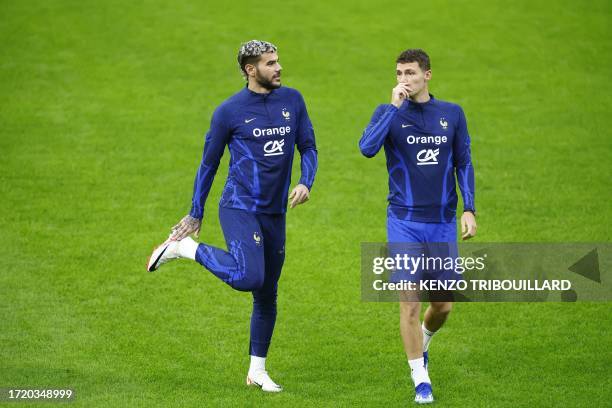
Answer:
(186, 227)
(468, 225)
(300, 194)
(399, 93)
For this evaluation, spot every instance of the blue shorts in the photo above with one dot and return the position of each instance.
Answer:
(428, 251)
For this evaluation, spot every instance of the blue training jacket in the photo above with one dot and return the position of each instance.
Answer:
(261, 132)
(426, 144)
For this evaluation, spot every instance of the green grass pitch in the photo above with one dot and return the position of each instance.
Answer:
(103, 108)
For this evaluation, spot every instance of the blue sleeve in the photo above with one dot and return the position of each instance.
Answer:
(216, 139)
(462, 162)
(306, 146)
(375, 134)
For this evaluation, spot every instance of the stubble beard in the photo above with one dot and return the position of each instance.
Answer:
(265, 83)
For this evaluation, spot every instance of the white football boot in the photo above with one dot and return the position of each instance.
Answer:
(261, 379)
(166, 252)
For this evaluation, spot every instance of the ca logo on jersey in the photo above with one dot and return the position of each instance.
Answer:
(427, 156)
(286, 114)
(257, 238)
(274, 147)
(443, 123)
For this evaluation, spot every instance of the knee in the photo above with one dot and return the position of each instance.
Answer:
(248, 283)
(410, 311)
(264, 304)
(249, 275)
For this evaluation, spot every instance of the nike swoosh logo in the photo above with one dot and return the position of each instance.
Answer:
(154, 266)
(405, 126)
(254, 382)
(249, 120)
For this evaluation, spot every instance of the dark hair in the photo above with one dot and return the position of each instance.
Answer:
(251, 51)
(415, 55)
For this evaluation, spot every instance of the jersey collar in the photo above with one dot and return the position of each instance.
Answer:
(408, 104)
(252, 94)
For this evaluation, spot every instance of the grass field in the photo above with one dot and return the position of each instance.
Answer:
(103, 107)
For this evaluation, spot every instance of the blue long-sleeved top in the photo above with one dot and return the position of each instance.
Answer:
(261, 132)
(425, 144)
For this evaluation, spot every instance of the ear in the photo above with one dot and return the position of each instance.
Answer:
(250, 69)
(428, 75)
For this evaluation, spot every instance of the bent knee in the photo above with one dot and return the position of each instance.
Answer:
(248, 284)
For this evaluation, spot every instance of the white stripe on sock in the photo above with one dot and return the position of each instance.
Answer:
(427, 335)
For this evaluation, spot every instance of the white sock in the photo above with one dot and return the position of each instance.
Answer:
(427, 335)
(418, 372)
(187, 248)
(257, 364)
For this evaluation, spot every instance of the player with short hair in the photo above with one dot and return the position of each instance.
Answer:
(261, 125)
(426, 145)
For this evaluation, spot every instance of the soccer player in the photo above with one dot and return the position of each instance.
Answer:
(261, 125)
(426, 144)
